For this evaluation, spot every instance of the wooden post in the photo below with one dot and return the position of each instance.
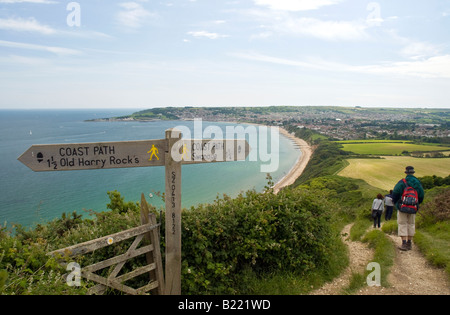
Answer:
(173, 217)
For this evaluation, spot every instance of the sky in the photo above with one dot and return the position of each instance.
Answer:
(155, 53)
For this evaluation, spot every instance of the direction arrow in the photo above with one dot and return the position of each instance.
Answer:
(88, 156)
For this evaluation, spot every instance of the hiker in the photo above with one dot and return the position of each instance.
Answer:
(377, 210)
(406, 215)
(389, 206)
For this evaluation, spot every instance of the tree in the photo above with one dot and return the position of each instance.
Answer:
(118, 204)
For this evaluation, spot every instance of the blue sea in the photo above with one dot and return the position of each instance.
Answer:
(29, 198)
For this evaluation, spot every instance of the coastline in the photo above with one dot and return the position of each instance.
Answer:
(295, 172)
(299, 166)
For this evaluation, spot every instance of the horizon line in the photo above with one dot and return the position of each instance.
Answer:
(218, 106)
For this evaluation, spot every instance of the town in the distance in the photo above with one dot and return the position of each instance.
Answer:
(336, 123)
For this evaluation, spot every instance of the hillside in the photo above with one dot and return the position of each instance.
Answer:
(288, 242)
(384, 173)
(339, 123)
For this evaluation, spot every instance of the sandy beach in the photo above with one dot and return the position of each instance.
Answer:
(299, 166)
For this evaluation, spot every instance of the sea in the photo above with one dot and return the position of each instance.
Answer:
(29, 198)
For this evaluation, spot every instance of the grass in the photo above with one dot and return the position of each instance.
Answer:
(433, 242)
(384, 254)
(390, 227)
(372, 141)
(432, 238)
(384, 249)
(389, 148)
(385, 173)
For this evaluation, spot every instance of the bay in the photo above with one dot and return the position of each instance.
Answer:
(29, 198)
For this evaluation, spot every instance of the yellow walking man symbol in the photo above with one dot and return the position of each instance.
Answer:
(153, 153)
(185, 153)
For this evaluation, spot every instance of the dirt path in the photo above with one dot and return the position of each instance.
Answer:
(411, 274)
(359, 255)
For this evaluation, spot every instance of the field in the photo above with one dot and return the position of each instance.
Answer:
(373, 141)
(390, 148)
(385, 173)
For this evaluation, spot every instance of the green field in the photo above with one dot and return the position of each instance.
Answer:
(372, 141)
(390, 148)
(385, 173)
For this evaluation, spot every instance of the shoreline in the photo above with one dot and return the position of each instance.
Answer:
(295, 172)
(298, 168)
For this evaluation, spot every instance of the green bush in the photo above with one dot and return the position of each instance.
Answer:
(25, 267)
(118, 204)
(254, 234)
(429, 182)
(265, 232)
(437, 209)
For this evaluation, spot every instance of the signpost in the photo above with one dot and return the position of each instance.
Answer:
(88, 156)
(171, 152)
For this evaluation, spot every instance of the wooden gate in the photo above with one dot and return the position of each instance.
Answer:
(149, 231)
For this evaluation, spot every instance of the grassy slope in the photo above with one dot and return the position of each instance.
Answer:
(385, 173)
(390, 148)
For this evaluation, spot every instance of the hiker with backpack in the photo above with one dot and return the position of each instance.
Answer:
(407, 195)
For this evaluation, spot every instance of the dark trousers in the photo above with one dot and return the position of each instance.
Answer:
(388, 214)
(376, 215)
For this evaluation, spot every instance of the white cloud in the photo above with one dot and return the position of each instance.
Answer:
(273, 23)
(327, 30)
(133, 15)
(434, 67)
(419, 50)
(25, 25)
(34, 26)
(206, 34)
(29, 1)
(295, 5)
(414, 49)
(50, 49)
(269, 59)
